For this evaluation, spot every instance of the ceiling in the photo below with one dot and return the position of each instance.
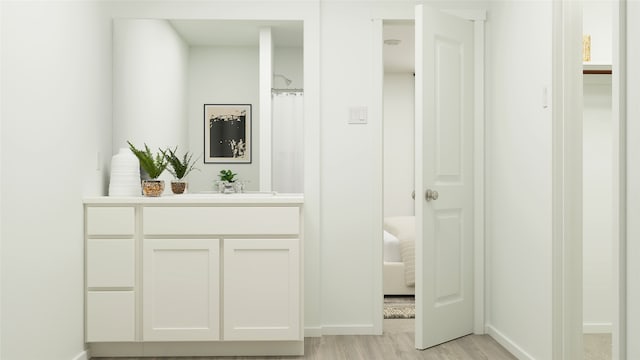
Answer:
(238, 32)
(399, 58)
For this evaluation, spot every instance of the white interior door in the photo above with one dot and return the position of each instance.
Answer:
(444, 171)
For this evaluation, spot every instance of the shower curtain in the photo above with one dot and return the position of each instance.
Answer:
(287, 135)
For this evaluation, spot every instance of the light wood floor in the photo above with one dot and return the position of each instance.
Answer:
(397, 342)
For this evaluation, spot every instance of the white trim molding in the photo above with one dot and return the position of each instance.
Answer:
(355, 329)
(479, 177)
(597, 328)
(376, 119)
(567, 180)
(313, 331)
(84, 355)
(468, 14)
(619, 196)
(508, 344)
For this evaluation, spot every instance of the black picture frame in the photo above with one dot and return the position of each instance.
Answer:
(227, 133)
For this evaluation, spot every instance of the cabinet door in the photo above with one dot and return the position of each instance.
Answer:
(181, 289)
(262, 289)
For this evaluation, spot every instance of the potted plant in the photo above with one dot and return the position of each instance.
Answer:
(227, 178)
(153, 165)
(180, 168)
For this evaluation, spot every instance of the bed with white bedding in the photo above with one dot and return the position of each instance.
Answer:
(399, 255)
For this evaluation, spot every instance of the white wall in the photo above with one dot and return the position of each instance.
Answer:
(351, 223)
(399, 98)
(596, 21)
(56, 115)
(288, 61)
(346, 171)
(222, 75)
(633, 180)
(597, 204)
(149, 86)
(518, 177)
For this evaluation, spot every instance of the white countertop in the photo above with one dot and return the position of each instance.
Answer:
(200, 199)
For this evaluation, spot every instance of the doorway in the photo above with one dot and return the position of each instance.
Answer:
(568, 256)
(475, 21)
(398, 175)
(597, 218)
(598, 180)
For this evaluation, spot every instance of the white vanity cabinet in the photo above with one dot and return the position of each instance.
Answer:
(210, 276)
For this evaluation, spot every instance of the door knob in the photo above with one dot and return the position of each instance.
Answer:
(431, 195)
(413, 194)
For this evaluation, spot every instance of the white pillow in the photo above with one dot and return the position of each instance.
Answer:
(391, 248)
(402, 227)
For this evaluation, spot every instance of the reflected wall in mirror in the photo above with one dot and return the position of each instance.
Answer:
(166, 70)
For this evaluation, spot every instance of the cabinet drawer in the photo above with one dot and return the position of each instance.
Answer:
(110, 221)
(110, 316)
(221, 220)
(110, 263)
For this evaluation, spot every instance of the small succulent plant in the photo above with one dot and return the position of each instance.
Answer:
(179, 167)
(227, 175)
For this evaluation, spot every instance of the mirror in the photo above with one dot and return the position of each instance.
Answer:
(166, 71)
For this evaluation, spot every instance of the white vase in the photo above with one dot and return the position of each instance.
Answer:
(125, 174)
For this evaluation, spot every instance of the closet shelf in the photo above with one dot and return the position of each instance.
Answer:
(597, 69)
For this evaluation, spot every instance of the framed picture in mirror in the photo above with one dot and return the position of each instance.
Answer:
(227, 133)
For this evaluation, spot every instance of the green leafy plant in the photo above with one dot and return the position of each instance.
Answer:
(153, 164)
(179, 167)
(227, 175)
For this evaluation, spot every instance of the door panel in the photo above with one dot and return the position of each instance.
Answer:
(444, 165)
(449, 257)
(447, 113)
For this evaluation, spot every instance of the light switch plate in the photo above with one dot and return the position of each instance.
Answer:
(358, 115)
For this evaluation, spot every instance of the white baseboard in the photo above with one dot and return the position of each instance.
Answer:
(82, 356)
(597, 328)
(198, 349)
(368, 329)
(313, 331)
(508, 344)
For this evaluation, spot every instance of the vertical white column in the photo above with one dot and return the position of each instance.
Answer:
(377, 115)
(1, 162)
(619, 215)
(266, 77)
